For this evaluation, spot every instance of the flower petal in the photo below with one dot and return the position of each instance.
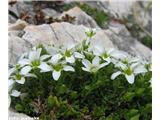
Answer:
(108, 59)
(10, 71)
(86, 63)
(24, 62)
(55, 58)
(68, 68)
(114, 75)
(25, 70)
(9, 101)
(10, 84)
(103, 64)
(130, 78)
(96, 61)
(35, 55)
(140, 69)
(21, 81)
(56, 74)
(79, 55)
(44, 57)
(70, 59)
(45, 67)
(31, 75)
(15, 93)
(85, 69)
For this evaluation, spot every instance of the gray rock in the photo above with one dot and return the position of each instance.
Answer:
(11, 19)
(121, 38)
(17, 46)
(67, 34)
(19, 25)
(81, 17)
(48, 12)
(17, 116)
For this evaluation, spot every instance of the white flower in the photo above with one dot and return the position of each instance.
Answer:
(94, 66)
(15, 93)
(15, 69)
(79, 55)
(34, 61)
(68, 55)
(129, 71)
(19, 78)
(90, 32)
(56, 68)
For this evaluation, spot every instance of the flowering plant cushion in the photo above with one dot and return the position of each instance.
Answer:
(80, 82)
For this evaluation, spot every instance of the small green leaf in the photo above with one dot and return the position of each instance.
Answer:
(136, 117)
(19, 107)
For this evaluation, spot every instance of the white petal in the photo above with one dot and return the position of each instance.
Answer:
(68, 68)
(38, 53)
(10, 84)
(78, 55)
(31, 75)
(35, 55)
(85, 69)
(103, 64)
(45, 67)
(96, 61)
(70, 59)
(86, 63)
(25, 70)
(56, 74)
(98, 50)
(43, 57)
(15, 93)
(130, 78)
(51, 50)
(55, 58)
(108, 59)
(140, 69)
(114, 75)
(121, 65)
(118, 54)
(21, 81)
(10, 71)
(24, 62)
(9, 101)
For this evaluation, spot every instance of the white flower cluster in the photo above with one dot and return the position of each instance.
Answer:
(60, 59)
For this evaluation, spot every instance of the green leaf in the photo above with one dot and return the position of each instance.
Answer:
(128, 96)
(53, 101)
(19, 107)
(136, 117)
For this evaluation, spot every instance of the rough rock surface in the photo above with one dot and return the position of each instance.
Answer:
(65, 33)
(17, 116)
(81, 17)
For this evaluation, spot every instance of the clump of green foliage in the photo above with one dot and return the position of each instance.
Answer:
(82, 93)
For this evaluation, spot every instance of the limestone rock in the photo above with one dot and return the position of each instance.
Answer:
(48, 12)
(121, 37)
(17, 116)
(67, 34)
(81, 17)
(19, 25)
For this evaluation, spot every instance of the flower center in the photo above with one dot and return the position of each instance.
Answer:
(105, 55)
(67, 53)
(57, 67)
(94, 69)
(128, 71)
(18, 76)
(35, 63)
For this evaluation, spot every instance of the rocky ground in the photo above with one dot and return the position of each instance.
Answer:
(123, 25)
